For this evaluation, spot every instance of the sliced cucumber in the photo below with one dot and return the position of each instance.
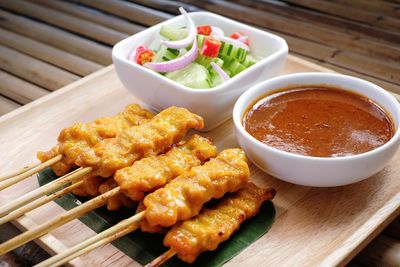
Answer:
(215, 79)
(200, 40)
(232, 67)
(165, 54)
(173, 34)
(193, 76)
(232, 52)
(205, 61)
(250, 60)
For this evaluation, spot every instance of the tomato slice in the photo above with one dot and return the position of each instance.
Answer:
(143, 55)
(210, 47)
(204, 30)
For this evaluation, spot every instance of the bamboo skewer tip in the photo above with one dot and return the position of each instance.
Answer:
(162, 258)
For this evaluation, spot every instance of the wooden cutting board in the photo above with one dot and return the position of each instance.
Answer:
(314, 226)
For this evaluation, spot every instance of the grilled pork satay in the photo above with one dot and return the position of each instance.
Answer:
(90, 187)
(183, 197)
(151, 138)
(214, 226)
(80, 136)
(117, 201)
(151, 173)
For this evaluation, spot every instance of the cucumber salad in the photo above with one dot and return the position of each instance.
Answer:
(197, 57)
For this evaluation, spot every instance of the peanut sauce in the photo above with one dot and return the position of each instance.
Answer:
(319, 121)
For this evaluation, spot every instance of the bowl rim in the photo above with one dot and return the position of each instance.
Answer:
(241, 105)
(282, 49)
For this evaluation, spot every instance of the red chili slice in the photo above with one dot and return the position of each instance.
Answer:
(143, 55)
(241, 37)
(210, 47)
(204, 30)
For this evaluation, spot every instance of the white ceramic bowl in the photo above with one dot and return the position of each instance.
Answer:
(215, 104)
(314, 171)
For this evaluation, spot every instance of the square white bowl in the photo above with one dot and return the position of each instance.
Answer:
(214, 104)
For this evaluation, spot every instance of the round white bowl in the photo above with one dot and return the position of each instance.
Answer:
(317, 171)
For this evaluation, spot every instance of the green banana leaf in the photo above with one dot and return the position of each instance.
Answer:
(144, 247)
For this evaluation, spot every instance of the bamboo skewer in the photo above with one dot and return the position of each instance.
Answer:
(162, 258)
(124, 227)
(39, 202)
(58, 221)
(13, 180)
(48, 188)
(15, 173)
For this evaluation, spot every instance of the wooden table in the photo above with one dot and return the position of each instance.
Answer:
(46, 44)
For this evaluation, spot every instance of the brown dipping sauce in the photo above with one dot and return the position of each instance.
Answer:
(319, 121)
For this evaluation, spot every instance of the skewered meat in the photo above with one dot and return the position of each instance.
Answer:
(117, 201)
(183, 197)
(80, 136)
(90, 187)
(151, 138)
(151, 173)
(215, 225)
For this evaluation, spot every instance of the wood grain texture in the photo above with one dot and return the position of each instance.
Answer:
(143, 15)
(348, 37)
(100, 18)
(65, 21)
(351, 12)
(55, 37)
(19, 90)
(388, 9)
(49, 54)
(6, 105)
(33, 70)
(384, 251)
(313, 225)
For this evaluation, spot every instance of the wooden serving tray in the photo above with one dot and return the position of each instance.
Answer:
(314, 226)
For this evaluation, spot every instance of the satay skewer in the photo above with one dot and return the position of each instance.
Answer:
(54, 223)
(122, 228)
(162, 258)
(151, 138)
(176, 161)
(212, 226)
(228, 172)
(146, 174)
(39, 202)
(18, 172)
(46, 189)
(77, 138)
(11, 180)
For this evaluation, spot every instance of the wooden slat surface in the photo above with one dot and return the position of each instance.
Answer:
(47, 53)
(62, 20)
(55, 37)
(33, 70)
(6, 105)
(100, 18)
(130, 11)
(45, 44)
(19, 90)
(351, 12)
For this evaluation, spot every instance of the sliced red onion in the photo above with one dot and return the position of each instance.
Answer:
(243, 39)
(175, 64)
(191, 36)
(220, 71)
(216, 31)
(232, 41)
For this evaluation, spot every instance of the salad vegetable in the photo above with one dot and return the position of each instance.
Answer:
(197, 57)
